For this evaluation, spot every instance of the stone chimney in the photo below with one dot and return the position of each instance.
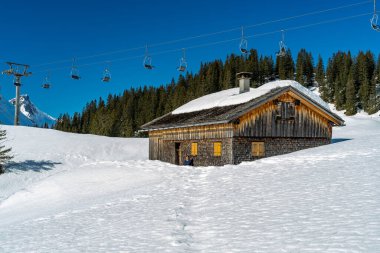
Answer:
(244, 81)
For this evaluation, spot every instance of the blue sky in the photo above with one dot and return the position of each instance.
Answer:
(40, 32)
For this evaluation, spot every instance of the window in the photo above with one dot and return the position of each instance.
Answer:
(258, 148)
(217, 148)
(194, 148)
(285, 111)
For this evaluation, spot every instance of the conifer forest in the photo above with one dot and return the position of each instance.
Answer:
(346, 80)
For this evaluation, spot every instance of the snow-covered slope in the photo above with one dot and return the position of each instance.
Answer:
(30, 111)
(84, 193)
(232, 97)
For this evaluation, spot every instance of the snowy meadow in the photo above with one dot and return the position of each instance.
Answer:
(83, 193)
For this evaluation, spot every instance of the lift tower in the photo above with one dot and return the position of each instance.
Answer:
(17, 70)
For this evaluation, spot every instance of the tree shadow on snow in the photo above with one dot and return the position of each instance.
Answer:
(336, 140)
(31, 165)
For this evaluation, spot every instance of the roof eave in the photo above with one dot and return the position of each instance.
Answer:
(338, 120)
(184, 126)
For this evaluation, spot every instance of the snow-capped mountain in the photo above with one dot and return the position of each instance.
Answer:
(30, 115)
(7, 114)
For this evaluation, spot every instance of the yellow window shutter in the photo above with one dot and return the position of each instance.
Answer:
(194, 149)
(258, 148)
(217, 148)
(262, 149)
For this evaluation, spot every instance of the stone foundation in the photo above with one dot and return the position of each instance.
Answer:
(242, 147)
(205, 155)
(234, 150)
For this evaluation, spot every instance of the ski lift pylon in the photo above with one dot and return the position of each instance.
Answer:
(282, 51)
(147, 63)
(74, 71)
(182, 62)
(243, 43)
(375, 26)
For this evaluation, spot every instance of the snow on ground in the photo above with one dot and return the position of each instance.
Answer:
(83, 193)
(232, 97)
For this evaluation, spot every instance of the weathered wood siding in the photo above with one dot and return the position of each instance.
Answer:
(194, 133)
(275, 119)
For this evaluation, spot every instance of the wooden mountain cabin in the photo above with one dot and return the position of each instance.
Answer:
(242, 124)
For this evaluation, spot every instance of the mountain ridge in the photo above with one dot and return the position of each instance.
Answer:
(30, 115)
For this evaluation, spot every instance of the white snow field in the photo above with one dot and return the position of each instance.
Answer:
(84, 193)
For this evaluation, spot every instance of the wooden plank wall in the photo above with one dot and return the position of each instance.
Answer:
(264, 122)
(194, 133)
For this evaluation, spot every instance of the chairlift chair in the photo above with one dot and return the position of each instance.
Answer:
(46, 83)
(282, 51)
(74, 71)
(106, 76)
(375, 26)
(75, 74)
(106, 79)
(182, 62)
(147, 63)
(181, 68)
(243, 43)
(243, 46)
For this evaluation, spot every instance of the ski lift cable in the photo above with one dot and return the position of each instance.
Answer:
(308, 14)
(374, 6)
(218, 42)
(207, 35)
(142, 56)
(327, 21)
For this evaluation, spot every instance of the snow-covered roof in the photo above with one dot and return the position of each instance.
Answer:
(232, 97)
(228, 105)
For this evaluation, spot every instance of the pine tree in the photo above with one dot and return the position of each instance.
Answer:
(374, 100)
(304, 68)
(266, 67)
(285, 66)
(253, 67)
(331, 72)
(5, 155)
(320, 78)
(351, 98)
(366, 68)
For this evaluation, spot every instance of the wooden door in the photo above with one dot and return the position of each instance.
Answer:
(177, 153)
